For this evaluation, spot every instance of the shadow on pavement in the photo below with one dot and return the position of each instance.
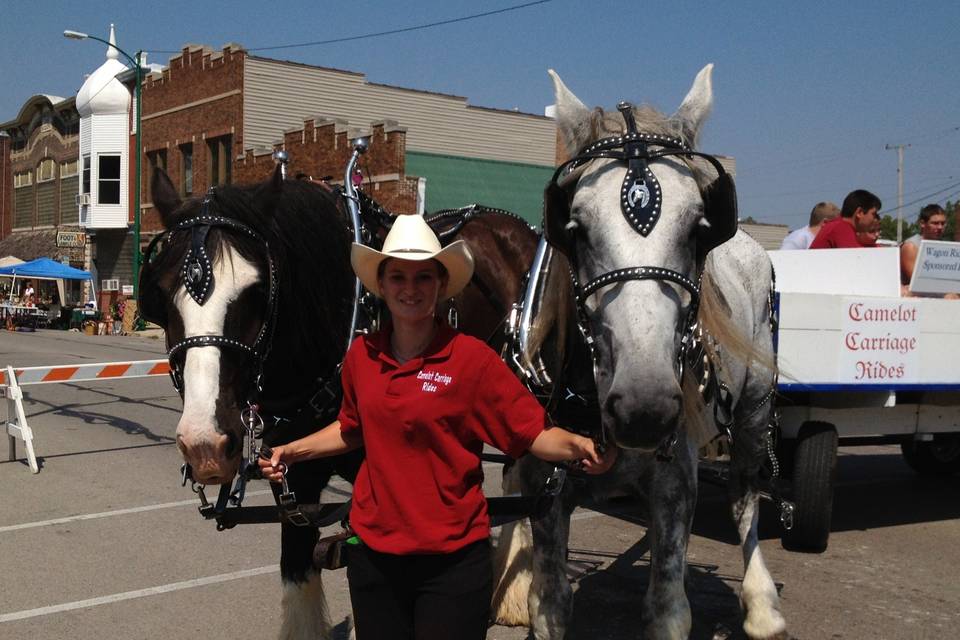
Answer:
(873, 490)
(608, 603)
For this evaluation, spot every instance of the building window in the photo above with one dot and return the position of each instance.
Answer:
(108, 179)
(155, 160)
(221, 154)
(45, 170)
(186, 169)
(24, 200)
(86, 175)
(68, 168)
(24, 179)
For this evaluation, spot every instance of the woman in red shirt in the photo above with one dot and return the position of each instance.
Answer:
(423, 399)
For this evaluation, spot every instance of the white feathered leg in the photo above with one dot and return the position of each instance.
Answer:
(304, 610)
(758, 596)
(512, 565)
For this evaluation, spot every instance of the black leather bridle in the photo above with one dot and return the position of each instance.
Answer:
(640, 203)
(197, 273)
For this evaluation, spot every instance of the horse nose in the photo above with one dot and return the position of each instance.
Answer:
(643, 422)
(207, 455)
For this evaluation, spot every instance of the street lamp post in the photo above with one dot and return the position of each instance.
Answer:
(76, 35)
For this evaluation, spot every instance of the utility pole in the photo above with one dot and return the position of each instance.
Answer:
(899, 148)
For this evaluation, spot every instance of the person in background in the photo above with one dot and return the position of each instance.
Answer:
(932, 221)
(859, 214)
(869, 237)
(802, 237)
(422, 399)
(29, 296)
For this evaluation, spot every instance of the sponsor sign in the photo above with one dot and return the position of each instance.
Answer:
(71, 239)
(937, 269)
(880, 341)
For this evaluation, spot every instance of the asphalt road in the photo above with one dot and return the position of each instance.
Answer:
(104, 542)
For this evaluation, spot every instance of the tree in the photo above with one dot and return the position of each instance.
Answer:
(953, 210)
(888, 228)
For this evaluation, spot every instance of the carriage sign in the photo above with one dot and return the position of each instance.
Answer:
(937, 269)
(880, 341)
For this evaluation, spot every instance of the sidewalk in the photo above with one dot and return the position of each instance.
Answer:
(152, 332)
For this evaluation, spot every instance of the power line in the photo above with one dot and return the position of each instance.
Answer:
(389, 32)
(927, 196)
(827, 158)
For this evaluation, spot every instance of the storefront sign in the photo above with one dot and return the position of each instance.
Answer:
(880, 341)
(937, 269)
(71, 239)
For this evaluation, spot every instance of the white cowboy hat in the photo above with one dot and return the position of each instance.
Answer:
(411, 238)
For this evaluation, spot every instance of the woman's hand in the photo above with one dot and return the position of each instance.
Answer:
(594, 462)
(274, 468)
(555, 444)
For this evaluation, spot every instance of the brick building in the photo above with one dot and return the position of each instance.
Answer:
(215, 117)
(212, 117)
(39, 182)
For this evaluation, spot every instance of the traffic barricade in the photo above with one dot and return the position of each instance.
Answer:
(11, 381)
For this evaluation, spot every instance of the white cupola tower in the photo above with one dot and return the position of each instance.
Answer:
(104, 106)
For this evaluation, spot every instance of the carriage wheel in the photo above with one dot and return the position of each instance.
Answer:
(814, 473)
(940, 456)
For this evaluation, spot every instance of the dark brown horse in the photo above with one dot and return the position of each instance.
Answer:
(254, 289)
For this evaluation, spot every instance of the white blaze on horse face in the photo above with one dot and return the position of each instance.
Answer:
(197, 436)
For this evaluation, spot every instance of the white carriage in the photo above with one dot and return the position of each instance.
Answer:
(860, 364)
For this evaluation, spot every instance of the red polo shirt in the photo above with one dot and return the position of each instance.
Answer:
(836, 234)
(424, 424)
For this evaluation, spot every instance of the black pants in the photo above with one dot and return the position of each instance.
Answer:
(421, 597)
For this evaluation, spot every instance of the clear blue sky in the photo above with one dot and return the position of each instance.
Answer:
(806, 94)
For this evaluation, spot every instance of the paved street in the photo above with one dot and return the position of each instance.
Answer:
(105, 543)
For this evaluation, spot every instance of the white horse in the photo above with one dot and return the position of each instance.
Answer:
(638, 325)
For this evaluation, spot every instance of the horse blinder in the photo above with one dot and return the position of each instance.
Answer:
(720, 211)
(150, 298)
(556, 217)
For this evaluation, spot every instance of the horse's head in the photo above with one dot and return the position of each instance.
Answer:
(210, 288)
(637, 211)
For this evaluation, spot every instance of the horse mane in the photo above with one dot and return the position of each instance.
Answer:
(555, 314)
(310, 246)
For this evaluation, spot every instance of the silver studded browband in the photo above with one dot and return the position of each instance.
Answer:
(210, 341)
(639, 273)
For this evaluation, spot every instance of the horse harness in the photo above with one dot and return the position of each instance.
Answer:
(640, 204)
(198, 279)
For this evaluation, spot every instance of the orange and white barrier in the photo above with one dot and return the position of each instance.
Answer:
(12, 379)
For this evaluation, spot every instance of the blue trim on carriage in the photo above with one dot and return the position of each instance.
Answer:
(864, 388)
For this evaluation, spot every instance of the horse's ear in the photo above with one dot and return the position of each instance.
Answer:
(276, 180)
(267, 196)
(574, 119)
(165, 197)
(696, 106)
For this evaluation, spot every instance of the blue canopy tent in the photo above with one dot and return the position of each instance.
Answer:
(45, 269)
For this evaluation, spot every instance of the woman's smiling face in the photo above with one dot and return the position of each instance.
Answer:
(412, 288)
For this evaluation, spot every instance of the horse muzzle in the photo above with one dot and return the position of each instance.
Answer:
(642, 424)
(213, 460)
